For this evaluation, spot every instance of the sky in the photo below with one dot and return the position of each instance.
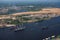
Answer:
(34, 0)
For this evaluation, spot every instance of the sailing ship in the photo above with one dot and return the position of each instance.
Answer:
(19, 27)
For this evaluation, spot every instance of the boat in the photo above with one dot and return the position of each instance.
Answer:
(19, 29)
(45, 28)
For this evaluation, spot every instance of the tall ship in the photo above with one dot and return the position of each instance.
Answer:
(19, 27)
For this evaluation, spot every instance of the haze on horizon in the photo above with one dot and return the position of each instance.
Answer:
(31, 0)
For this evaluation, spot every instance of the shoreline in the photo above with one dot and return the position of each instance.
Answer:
(6, 25)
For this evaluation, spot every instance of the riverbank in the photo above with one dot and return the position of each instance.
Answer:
(7, 25)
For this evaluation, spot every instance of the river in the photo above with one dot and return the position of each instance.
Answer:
(33, 31)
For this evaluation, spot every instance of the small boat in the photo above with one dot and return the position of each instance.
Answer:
(44, 28)
(53, 36)
(19, 29)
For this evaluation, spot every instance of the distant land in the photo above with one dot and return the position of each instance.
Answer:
(16, 7)
(18, 3)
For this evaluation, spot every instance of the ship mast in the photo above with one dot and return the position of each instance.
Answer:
(22, 22)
